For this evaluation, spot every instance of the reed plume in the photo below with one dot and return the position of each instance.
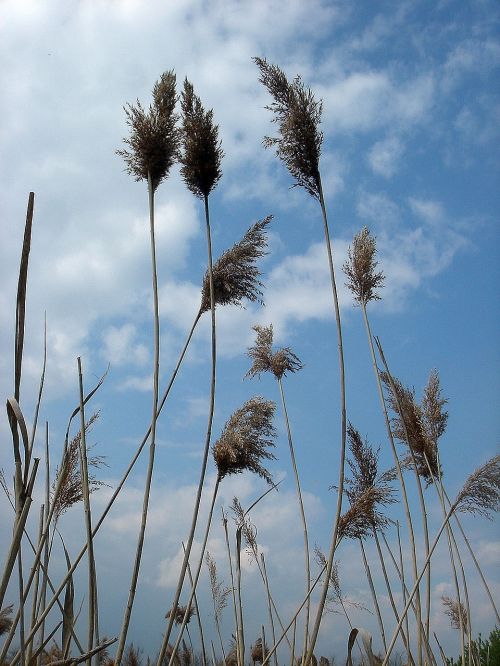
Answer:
(410, 426)
(257, 653)
(360, 269)
(5, 619)
(481, 492)
(265, 360)
(455, 610)
(179, 613)
(202, 152)
(298, 116)
(245, 440)
(235, 273)
(154, 137)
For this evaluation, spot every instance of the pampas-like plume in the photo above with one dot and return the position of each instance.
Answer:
(5, 619)
(265, 360)
(298, 116)
(362, 278)
(362, 516)
(454, 609)
(180, 612)
(364, 470)
(220, 593)
(154, 138)
(481, 492)
(410, 426)
(70, 492)
(235, 274)
(258, 655)
(245, 439)
(202, 153)
(434, 417)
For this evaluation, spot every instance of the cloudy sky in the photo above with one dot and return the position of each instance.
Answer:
(410, 122)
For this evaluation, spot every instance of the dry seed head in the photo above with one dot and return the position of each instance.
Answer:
(71, 491)
(264, 360)
(298, 116)
(362, 278)
(180, 612)
(5, 619)
(409, 426)
(434, 417)
(235, 273)
(154, 137)
(202, 153)
(362, 516)
(220, 593)
(245, 440)
(257, 652)
(481, 492)
(454, 609)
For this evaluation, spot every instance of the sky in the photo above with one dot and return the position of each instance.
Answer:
(410, 123)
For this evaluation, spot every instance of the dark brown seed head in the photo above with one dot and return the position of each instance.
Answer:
(202, 153)
(245, 440)
(154, 137)
(235, 273)
(298, 116)
(265, 360)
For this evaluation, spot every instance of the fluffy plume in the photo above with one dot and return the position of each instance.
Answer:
(5, 620)
(481, 492)
(235, 273)
(154, 138)
(434, 418)
(71, 485)
(298, 116)
(265, 360)
(245, 440)
(362, 278)
(410, 426)
(180, 612)
(363, 464)
(202, 153)
(248, 530)
(362, 516)
(220, 593)
(454, 609)
(258, 655)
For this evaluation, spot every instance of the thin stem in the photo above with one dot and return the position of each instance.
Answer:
(324, 591)
(374, 594)
(197, 574)
(240, 661)
(273, 634)
(152, 446)
(196, 510)
(400, 477)
(302, 515)
(195, 599)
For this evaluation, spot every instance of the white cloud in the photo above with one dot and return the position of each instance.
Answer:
(385, 155)
(120, 346)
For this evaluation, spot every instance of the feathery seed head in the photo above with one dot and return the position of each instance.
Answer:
(257, 653)
(362, 516)
(362, 279)
(154, 137)
(264, 360)
(481, 492)
(434, 418)
(5, 619)
(202, 153)
(409, 426)
(298, 116)
(235, 274)
(454, 608)
(245, 440)
(179, 613)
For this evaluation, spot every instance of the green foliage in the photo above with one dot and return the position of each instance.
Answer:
(485, 653)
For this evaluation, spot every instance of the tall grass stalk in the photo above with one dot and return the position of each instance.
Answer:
(373, 593)
(240, 660)
(270, 611)
(198, 618)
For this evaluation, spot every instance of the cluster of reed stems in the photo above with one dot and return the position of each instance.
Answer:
(178, 129)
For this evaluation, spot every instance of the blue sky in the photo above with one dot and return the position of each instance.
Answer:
(410, 121)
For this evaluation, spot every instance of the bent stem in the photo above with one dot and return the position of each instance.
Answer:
(324, 591)
(196, 510)
(152, 446)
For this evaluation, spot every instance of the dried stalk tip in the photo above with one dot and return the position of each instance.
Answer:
(481, 491)
(154, 137)
(416, 425)
(202, 153)
(235, 274)
(179, 613)
(245, 440)
(70, 491)
(455, 609)
(5, 620)
(264, 360)
(298, 116)
(220, 592)
(362, 279)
